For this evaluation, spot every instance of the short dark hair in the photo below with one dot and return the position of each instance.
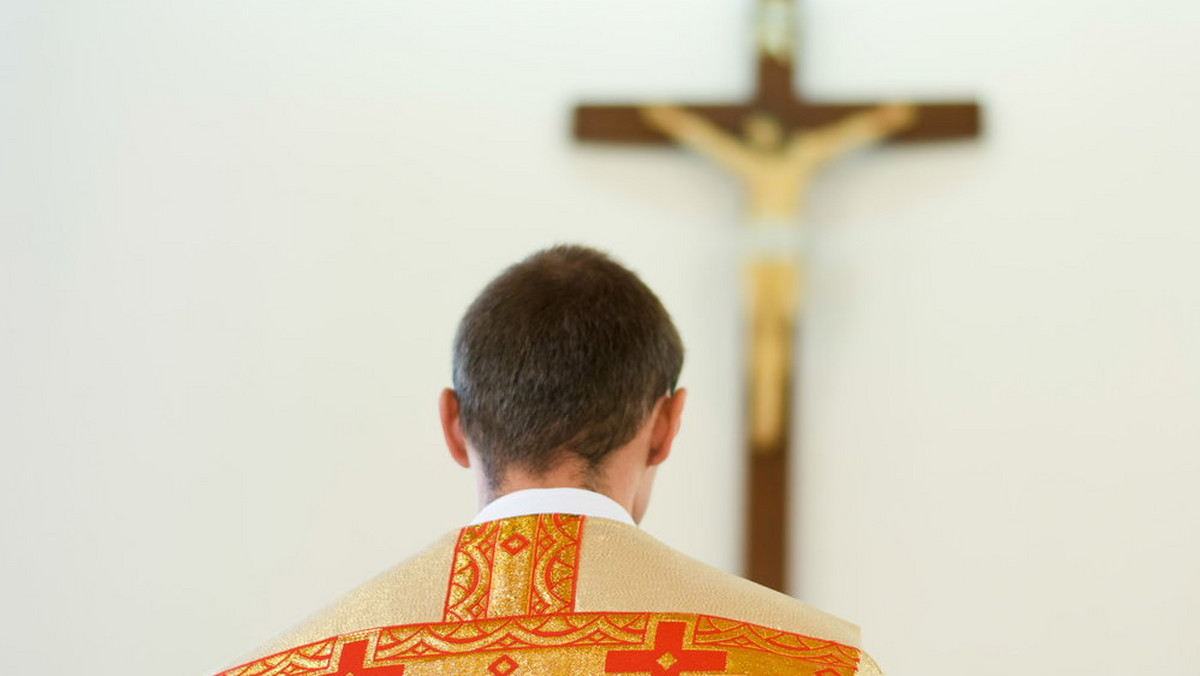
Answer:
(565, 353)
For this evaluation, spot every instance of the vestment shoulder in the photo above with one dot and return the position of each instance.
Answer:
(624, 569)
(413, 591)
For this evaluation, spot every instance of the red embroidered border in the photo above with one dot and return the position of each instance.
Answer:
(387, 648)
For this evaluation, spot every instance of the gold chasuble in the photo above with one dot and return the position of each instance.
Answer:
(562, 594)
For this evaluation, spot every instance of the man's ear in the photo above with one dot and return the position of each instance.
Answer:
(456, 441)
(668, 416)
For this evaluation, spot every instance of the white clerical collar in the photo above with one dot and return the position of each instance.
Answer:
(553, 501)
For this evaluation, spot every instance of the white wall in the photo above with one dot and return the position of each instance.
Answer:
(235, 238)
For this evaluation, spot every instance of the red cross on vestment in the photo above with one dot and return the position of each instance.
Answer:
(352, 662)
(667, 658)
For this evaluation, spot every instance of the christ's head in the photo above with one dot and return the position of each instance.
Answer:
(763, 132)
(564, 373)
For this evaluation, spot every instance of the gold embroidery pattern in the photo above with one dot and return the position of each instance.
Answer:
(346, 655)
(556, 564)
(512, 633)
(594, 643)
(309, 659)
(716, 631)
(520, 566)
(471, 573)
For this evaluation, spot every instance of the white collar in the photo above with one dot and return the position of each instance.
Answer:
(553, 501)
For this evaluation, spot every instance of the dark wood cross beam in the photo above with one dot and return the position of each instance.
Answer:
(766, 516)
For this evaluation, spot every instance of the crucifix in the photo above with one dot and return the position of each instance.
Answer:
(773, 143)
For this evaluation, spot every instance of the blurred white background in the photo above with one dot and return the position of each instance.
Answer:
(235, 238)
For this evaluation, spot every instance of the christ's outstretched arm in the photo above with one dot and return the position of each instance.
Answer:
(700, 135)
(828, 143)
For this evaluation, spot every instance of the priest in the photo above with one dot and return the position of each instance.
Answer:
(564, 406)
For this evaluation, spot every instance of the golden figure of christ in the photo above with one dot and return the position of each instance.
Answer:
(775, 167)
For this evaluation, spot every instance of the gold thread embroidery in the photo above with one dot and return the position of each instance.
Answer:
(556, 565)
(566, 643)
(525, 565)
(471, 573)
(512, 568)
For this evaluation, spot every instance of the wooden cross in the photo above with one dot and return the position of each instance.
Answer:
(813, 134)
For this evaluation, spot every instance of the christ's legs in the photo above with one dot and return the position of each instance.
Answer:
(773, 287)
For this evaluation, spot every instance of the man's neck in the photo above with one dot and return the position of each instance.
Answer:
(567, 473)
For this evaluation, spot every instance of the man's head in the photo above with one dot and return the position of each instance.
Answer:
(561, 359)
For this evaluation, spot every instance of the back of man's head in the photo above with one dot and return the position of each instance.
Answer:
(563, 354)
